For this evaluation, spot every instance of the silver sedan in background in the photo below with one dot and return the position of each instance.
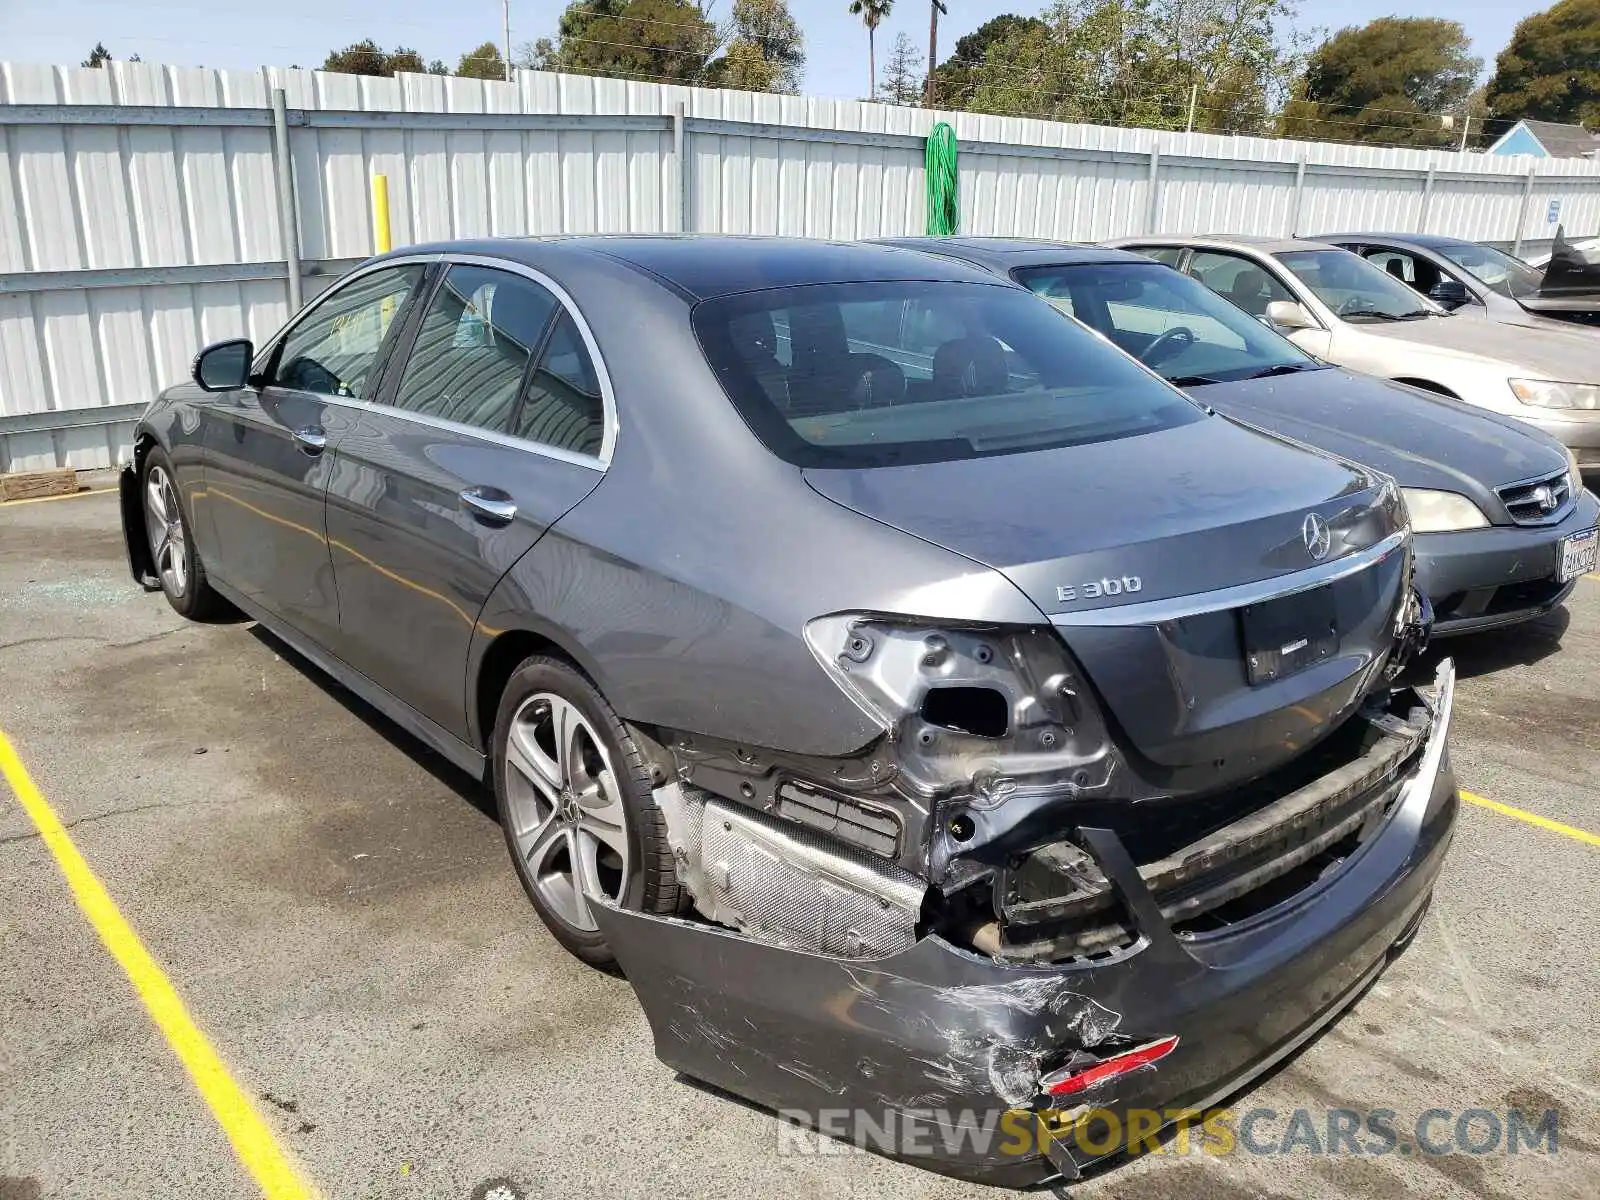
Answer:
(1473, 280)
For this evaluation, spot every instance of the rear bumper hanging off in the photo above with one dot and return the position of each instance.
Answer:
(937, 1042)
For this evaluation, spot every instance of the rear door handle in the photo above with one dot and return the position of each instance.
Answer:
(490, 505)
(312, 439)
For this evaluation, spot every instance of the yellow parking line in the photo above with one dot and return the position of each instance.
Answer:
(1582, 835)
(78, 495)
(269, 1165)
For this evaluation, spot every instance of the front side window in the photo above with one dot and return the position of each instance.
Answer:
(334, 348)
(1354, 288)
(481, 328)
(878, 374)
(1169, 321)
(1242, 283)
(1511, 277)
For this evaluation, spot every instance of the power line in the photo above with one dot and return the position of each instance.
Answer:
(1093, 108)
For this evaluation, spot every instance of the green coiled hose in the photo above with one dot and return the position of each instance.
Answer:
(944, 193)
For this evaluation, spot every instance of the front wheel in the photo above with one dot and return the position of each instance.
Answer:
(172, 550)
(573, 794)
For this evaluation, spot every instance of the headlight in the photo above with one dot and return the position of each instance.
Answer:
(1441, 512)
(1547, 393)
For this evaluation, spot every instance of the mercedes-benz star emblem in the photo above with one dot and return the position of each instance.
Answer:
(1318, 537)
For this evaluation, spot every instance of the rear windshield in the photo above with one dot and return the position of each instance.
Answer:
(880, 374)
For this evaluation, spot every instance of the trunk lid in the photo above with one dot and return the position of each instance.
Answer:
(1155, 555)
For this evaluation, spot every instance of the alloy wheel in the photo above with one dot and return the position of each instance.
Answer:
(568, 821)
(164, 525)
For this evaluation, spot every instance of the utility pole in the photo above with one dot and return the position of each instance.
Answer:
(937, 7)
(505, 7)
(1194, 95)
(1466, 124)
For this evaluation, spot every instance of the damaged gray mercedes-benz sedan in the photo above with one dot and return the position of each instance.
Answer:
(933, 712)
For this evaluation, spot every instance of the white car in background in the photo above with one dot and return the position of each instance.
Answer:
(1587, 248)
(1341, 308)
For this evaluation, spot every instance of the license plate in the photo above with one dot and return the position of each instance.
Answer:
(1288, 634)
(1578, 554)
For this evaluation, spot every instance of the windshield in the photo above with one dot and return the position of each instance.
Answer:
(1354, 288)
(1170, 322)
(879, 374)
(1511, 277)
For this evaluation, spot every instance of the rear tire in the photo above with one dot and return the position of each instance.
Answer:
(172, 549)
(573, 795)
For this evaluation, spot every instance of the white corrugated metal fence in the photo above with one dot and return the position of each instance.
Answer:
(140, 214)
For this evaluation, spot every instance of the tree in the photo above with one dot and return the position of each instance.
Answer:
(482, 62)
(872, 13)
(764, 49)
(902, 78)
(366, 57)
(954, 77)
(540, 55)
(98, 57)
(1391, 81)
(1550, 71)
(1139, 62)
(667, 41)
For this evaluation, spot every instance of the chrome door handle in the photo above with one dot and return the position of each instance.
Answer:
(312, 439)
(494, 509)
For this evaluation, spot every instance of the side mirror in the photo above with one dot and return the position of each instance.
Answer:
(223, 366)
(1449, 293)
(1286, 314)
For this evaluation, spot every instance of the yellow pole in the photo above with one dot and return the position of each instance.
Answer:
(381, 242)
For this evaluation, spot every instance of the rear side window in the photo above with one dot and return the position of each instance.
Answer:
(480, 331)
(876, 374)
(335, 346)
(563, 406)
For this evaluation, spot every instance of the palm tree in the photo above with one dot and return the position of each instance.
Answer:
(871, 13)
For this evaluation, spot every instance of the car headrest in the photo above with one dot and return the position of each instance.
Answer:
(1396, 268)
(854, 382)
(970, 366)
(817, 338)
(1248, 289)
(875, 381)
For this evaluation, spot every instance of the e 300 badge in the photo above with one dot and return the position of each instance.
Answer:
(1096, 588)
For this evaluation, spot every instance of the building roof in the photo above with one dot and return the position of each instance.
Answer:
(1560, 141)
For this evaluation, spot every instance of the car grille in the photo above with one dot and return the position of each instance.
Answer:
(1537, 501)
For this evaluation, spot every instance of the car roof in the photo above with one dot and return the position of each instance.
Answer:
(1425, 241)
(1245, 241)
(699, 267)
(1003, 254)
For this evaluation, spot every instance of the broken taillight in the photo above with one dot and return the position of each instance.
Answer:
(1072, 1081)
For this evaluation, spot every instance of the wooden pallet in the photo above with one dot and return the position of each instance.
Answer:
(28, 485)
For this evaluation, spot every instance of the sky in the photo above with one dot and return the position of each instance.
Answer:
(248, 33)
